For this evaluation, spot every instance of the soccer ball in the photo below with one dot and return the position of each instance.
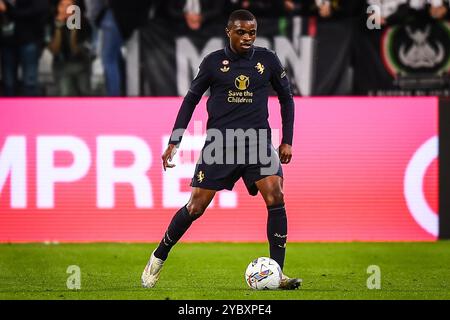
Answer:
(263, 274)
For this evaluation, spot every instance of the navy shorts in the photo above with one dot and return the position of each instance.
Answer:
(219, 176)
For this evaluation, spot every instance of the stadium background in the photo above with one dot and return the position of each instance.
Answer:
(84, 199)
(365, 168)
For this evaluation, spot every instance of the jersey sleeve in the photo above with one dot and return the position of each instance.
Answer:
(198, 86)
(281, 85)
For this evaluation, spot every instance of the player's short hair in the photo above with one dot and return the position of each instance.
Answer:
(240, 14)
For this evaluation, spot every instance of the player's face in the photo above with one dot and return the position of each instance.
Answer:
(242, 34)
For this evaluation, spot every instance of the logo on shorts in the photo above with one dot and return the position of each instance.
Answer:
(200, 177)
(242, 82)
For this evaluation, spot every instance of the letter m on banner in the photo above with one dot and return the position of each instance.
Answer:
(13, 164)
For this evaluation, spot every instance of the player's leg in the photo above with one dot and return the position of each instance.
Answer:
(271, 189)
(181, 221)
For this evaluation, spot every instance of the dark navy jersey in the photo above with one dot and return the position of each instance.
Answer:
(239, 91)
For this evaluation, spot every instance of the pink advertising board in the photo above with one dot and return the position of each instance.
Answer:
(89, 169)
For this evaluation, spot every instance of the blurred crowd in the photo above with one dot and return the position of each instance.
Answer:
(70, 30)
(76, 32)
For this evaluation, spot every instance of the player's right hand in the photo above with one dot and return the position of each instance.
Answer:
(168, 156)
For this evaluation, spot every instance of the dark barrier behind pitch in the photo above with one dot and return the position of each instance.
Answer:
(444, 168)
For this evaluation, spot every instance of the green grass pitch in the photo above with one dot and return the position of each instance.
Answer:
(213, 271)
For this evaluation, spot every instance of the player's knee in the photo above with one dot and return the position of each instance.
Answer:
(196, 209)
(274, 198)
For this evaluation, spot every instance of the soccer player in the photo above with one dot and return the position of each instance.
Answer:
(239, 77)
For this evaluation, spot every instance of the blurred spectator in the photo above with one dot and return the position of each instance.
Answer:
(299, 7)
(102, 17)
(71, 53)
(439, 9)
(336, 23)
(291, 6)
(116, 19)
(390, 11)
(111, 49)
(370, 66)
(369, 72)
(337, 9)
(194, 13)
(260, 8)
(131, 14)
(324, 8)
(398, 11)
(22, 39)
(90, 14)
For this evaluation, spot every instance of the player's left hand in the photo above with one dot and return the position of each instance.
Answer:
(285, 153)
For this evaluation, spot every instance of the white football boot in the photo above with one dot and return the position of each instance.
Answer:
(290, 283)
(150, 275)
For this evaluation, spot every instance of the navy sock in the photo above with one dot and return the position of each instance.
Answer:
(181, 221)
(277, 232)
